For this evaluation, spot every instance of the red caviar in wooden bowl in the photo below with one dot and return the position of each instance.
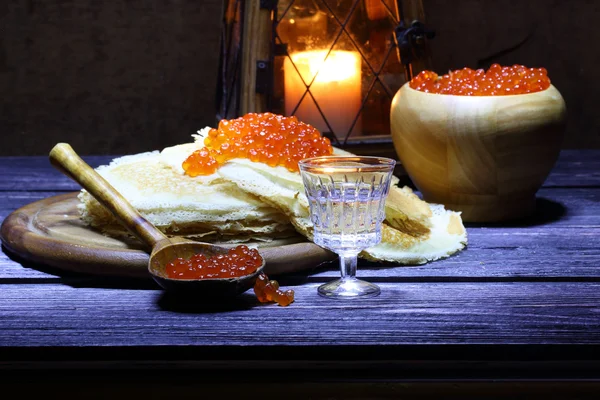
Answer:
(238, 261)
(268, 138)
(496, 81)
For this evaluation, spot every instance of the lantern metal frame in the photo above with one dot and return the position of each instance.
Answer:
(246, 71)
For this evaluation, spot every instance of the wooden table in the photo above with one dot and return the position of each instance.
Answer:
(521, 305)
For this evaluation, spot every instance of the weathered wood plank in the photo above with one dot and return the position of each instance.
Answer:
(551, 250)
(404, 314)
(558, 207)
(563, 241)
(573, 176)
(492, 253)
(13, 200)
(36, 174)
(513, 262)
(574, 168)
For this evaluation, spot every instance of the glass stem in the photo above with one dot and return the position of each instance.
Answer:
(348, 266)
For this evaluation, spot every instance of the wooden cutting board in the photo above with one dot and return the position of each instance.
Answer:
(50, 232)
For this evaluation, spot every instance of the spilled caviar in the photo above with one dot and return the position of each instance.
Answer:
(238, 261)
(267, 291)
(268, 138)
(496, 81)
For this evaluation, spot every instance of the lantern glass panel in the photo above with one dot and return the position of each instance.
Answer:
(337, 67)
(335, 64)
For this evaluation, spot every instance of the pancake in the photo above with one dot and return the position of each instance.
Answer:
(245, 200)
(414, 231)
(177, 204)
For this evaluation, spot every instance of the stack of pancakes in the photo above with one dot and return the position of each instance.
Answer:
(251, 201)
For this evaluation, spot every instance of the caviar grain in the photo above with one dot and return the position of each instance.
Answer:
(496, 81)
(268, 291)
(268, 138)
(238, 261)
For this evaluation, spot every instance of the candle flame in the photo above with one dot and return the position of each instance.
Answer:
(336, 89)
(333, 67)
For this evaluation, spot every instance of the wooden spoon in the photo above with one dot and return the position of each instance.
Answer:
(164, 249)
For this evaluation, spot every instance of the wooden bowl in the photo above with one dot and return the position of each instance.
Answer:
(201, 288)
(483, 155)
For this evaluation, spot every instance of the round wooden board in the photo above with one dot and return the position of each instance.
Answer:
(50, 232)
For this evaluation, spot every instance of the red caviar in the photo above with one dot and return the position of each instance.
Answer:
(267, 291)
(497, 81)
(268, 138)
(238, 261)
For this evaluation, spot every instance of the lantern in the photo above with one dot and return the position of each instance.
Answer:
(335, 64)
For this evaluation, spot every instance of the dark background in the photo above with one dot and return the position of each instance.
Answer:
(125, 76)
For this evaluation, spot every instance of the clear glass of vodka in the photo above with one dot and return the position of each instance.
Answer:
(347, 206)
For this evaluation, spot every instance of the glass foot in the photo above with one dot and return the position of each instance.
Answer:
(348, 289)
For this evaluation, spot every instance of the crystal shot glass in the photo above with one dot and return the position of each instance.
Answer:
(347, 206)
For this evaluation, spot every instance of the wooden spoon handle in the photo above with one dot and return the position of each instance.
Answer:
(64, 158)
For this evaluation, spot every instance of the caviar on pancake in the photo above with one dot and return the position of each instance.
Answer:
(496, 81)
(237, 262)
(268, 138)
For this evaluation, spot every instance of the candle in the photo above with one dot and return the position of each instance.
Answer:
(336, 88)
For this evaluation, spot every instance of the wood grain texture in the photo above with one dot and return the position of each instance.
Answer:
(50, 232)
(404, 314)
(494, 255)
(521, 301)
(483, 155)
(35, 174)
(559, 242)
(256, 47)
